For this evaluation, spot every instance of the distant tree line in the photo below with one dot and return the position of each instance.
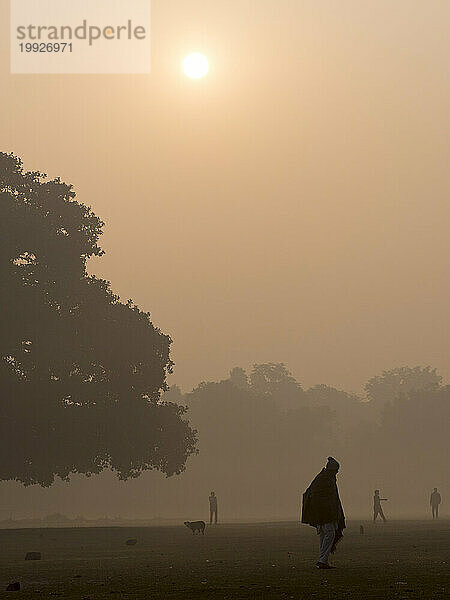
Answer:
(262, 434)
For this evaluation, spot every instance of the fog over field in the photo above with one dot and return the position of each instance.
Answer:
(281, 226)
(262, 438)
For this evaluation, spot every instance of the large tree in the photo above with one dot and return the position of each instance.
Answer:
(80, 371)
(275, 381)
(348, 407)
(382, 390)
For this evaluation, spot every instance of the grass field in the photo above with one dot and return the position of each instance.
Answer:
(401, 560)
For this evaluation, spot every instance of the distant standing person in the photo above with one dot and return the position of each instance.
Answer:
(322, 508)
(212, 508)
(435, 500)
(377, 510)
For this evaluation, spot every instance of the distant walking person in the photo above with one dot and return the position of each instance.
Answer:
(213, 508)
(435, 500)
(377, 510)
(322, 508)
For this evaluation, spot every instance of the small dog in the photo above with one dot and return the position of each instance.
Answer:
(194, 526)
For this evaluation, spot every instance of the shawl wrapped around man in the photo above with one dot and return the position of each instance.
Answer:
(321, 503)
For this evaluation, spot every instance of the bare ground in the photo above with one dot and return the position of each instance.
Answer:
(397, 560)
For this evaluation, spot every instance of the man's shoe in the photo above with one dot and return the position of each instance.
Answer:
(321, 565)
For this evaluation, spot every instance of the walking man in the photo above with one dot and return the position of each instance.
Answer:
(377, 510)
(322, 508)
(213, 508)
(435, 500)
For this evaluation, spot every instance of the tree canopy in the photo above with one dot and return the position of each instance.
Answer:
(81, 372)
(275, 381)
(385, 388)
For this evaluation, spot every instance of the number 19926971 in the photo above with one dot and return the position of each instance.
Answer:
(46, 47)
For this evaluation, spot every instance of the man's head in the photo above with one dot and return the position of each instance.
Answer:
(435, 490)
(332, 465)
(213, 493)
(377, 492)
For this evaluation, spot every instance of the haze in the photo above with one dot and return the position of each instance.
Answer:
(292, 206)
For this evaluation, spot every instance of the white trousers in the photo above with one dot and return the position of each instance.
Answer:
(326, 533)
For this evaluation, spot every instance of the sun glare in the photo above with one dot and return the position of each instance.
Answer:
(195, 65)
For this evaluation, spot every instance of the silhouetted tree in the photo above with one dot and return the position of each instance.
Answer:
(347, 407)
(414, 436)
(80, 372)
(275, 381)
(238, 378)
(385, 388)
(325, 395)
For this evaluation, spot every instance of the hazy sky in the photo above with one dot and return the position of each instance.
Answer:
(292, 206)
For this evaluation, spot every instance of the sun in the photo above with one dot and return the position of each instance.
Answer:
(195, 65)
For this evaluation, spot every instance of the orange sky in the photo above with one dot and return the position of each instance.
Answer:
(292, 206)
